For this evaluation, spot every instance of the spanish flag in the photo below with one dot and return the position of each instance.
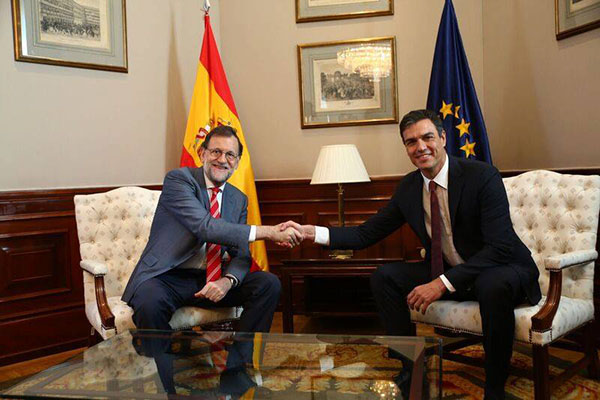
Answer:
(212, 105)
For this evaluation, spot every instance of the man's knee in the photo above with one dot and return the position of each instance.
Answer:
(381, 276)
(496, 289)
(150, 304)
(393, 276)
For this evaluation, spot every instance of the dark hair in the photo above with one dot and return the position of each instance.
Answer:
(418, 115)
(223, 131)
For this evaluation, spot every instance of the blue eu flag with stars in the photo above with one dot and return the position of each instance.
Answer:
(452, 94)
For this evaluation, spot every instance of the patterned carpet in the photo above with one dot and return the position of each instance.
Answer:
(465, 382)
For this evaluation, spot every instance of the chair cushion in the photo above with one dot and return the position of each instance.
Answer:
(464, 317)
(183, 318)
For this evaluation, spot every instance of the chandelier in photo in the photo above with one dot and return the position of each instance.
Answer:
(373, 61)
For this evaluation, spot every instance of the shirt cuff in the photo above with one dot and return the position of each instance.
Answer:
(321, 235)
(252, 236)
(447, 284)
(235, 280)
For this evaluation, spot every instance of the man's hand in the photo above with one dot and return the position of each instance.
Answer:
(278, 234)
(215, 290)
(423, 295)
(307, 231)
(289, 235)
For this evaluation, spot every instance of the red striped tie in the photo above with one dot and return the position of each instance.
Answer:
(437, 264)
(213, 251)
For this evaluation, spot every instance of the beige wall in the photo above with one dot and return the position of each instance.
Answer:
(69, 127)
(259, 41)
(541, 95)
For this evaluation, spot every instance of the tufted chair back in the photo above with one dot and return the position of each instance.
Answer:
(555, 214)
(113, 228)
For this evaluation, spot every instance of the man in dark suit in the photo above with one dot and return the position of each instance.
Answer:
(459, 210)
(197, 253)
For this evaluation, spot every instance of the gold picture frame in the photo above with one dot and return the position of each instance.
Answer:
(334, 93)
(72, 33)
(573, 17)
(325, 10)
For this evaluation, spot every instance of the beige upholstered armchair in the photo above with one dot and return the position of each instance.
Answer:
(113, 229)
(556, 216)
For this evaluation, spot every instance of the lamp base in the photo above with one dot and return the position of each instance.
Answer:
(341, 254)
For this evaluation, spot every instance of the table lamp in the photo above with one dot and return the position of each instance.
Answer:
(339, 163)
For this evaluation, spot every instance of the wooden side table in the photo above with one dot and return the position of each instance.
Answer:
(322, 268)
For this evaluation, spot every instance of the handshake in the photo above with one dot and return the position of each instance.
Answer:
(287, 234)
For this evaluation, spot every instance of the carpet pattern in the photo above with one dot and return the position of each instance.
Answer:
(466, 382)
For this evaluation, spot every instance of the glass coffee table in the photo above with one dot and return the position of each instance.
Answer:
(144, 364)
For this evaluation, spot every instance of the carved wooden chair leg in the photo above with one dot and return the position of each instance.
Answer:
(591, 351)
(541, 372)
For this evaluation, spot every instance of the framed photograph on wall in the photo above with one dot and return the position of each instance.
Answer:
(348, 83)
(73, 33)
(576, 16)
(323, 10)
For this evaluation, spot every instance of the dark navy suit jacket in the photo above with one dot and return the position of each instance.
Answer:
(481, 226)
(182, 224)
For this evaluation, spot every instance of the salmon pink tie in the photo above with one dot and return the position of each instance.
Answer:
(213, 251)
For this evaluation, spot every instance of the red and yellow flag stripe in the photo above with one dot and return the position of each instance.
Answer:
(213, 105)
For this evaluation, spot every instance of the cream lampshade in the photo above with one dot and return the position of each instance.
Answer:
(339, 163)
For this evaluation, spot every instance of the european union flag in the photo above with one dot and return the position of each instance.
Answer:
(452, 94)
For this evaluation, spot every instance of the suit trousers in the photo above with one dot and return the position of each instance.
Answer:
(156, 299)
(497, 289)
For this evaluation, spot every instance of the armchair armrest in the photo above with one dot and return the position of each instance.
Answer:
(555, 264)
(571, 259)
(99, 269)
(95, 268)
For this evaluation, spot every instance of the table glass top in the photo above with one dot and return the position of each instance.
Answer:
(144, 364)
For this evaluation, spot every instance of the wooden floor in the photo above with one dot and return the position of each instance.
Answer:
(26, 368)
(302, 324)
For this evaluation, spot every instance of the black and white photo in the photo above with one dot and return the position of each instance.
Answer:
(348, 83)
(75, 33)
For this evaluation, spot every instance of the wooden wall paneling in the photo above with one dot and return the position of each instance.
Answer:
(34, 264)
(391, 247)
(42, 334)
(40, 279)
(41, 288)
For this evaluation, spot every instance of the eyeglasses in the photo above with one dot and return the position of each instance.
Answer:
(217, 153)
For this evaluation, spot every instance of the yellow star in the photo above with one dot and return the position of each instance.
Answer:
(456, 112)
(468, 148)
(463, 127)
(446, 109)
